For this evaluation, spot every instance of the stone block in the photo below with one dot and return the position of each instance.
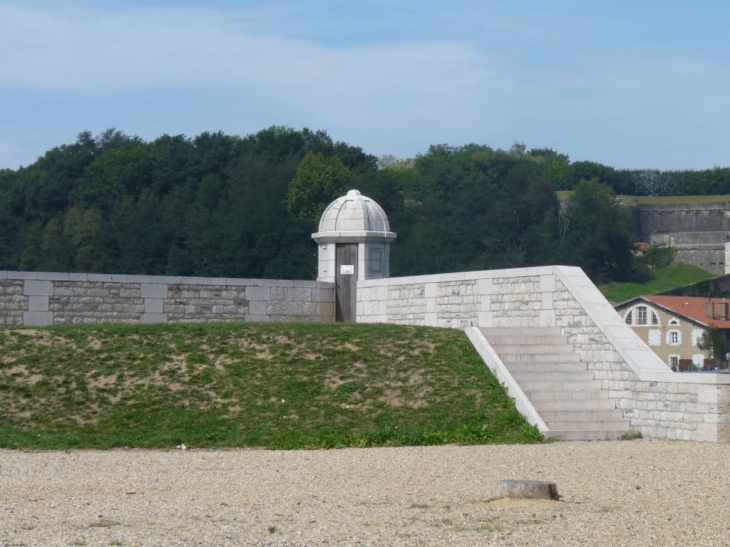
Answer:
(103, 278)
(164, 279)
(126, 293)
(238, 282)
(153, 290)
(486, 319)
(136, 278)
(22, 275)
(323, 295)
(486, 286)
(98, 292)
(291, 294)
(38, 318)
(52, 276)
(154, 318)
(292, 308)
(37, 288)
(153, 305)
(431, 290)
(258, 293)
(547, 318)
(547, 283)
(38, 303)
(326, 309)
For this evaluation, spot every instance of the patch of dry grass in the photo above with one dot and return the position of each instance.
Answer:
(275, 385)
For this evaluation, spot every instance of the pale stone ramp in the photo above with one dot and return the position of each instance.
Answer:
(559, 386)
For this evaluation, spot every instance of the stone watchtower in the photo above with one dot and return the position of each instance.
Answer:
(354, 243)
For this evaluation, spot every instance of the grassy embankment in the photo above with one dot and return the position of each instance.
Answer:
(248, 385)
(662, 280)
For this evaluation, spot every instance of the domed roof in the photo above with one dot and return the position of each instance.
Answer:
(354, 215)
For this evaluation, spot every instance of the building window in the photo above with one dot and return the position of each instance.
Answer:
(654, 318)
(674, 362)
(697, 336)
(629, 317)
(674, 321)
(376, 259)
(674, 338)
(655, 337)
(641, 312)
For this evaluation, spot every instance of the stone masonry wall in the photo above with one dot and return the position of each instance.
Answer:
(42, 298)
(659, 402)
(675, 408)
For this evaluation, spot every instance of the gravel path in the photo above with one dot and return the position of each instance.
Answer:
(614, 493)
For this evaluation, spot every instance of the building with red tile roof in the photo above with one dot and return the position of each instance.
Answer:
(672, 326)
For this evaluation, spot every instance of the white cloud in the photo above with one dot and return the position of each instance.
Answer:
(474, 73)
(107, 52)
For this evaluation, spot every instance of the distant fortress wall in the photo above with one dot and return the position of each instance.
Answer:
(699, 231)
(48, 298)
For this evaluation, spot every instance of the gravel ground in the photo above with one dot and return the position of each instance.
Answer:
(613, 493)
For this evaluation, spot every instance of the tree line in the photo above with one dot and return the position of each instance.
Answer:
(223, 205)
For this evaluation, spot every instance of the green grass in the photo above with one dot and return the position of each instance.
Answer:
(663, 280)
(674, 200)
(657, 200)
(248, 385)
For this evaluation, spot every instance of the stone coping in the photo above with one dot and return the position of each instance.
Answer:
(353, 236)
(463, 276)
(162, 279)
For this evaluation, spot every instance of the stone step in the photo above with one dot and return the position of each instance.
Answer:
(508, 358)
(581, 415)
(577, 435)
(512, 340)
(553, 376)
(521, 331)
(573, 404)
(558, 384)
(561, 385)
(552, 367)
(563, 349)
(588, 425)
(565, 395)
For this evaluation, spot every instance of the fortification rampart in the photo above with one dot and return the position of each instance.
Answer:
(649, 218)
(44, 298)
(699, 231)
(660, 403)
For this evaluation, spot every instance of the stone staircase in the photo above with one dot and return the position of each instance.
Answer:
(559, 386)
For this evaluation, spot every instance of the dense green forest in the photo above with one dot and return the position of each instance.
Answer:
(221, 205)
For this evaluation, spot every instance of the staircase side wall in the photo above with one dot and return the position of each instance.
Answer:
(659, 402)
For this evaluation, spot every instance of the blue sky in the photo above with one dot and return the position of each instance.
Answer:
(632, 84)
